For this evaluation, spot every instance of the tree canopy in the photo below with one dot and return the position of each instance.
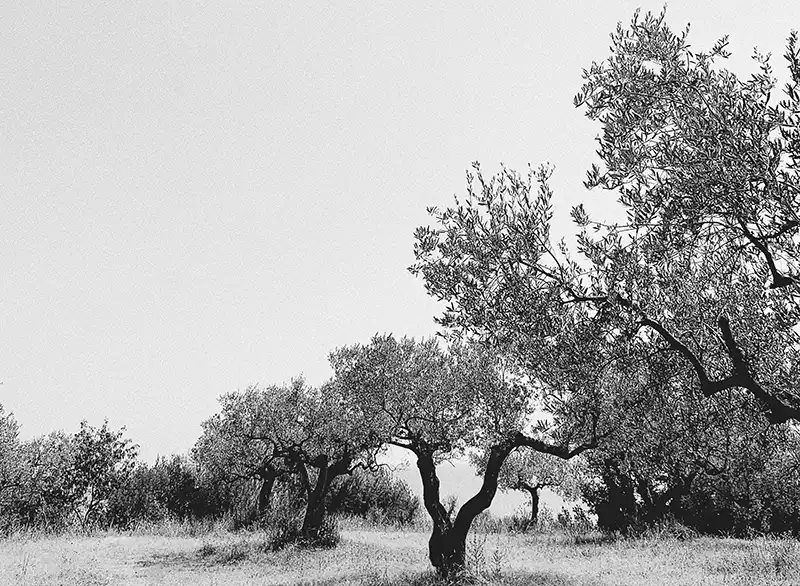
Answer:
(704, 264)
(309, 432)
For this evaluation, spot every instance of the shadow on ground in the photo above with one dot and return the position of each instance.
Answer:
(221, 555)
(207, 555)
(168, 560)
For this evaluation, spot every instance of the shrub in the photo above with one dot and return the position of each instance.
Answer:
(375, 495)
(575, 520)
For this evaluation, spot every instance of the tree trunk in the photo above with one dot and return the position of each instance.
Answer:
(447, 550)
(264, 492)
(534, 492)
(440, 547)
(618, 513)
(315, 507)
(313, 520)
(682, 490)
(448, 542)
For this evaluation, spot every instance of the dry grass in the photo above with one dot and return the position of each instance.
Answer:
(373, 557)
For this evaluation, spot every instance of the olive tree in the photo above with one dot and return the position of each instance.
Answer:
(227, 456)
(704, 263)
(309, 432)
(672, 441)
(705, 165)
(440, 404)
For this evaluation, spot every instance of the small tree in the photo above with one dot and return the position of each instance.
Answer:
(102, 461)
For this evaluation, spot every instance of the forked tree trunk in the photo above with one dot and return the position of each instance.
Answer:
(448, 543)
(315, 506)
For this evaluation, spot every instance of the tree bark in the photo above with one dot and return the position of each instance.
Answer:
(443, 549)
(620, 510)
(448, 543)
(264, 492)
(315, 506)
(534, 492)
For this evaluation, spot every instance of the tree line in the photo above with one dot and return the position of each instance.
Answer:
(92, 479)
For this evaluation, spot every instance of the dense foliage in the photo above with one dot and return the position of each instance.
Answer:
(59, 480)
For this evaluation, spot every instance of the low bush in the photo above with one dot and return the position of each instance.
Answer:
(374, 495)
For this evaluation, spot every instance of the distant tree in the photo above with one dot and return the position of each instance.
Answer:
(530, 471)
(228, 456)
(374, 494)
(669, 439)
(311, 432)
(169, 489)
(102, 460)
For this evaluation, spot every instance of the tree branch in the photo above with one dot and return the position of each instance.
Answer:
(778, 280)
(563, 452)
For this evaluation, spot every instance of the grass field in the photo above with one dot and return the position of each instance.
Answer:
(375, 557)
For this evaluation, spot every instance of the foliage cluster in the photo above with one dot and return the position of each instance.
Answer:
(61, 480)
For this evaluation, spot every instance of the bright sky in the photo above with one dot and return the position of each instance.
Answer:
(196, 196)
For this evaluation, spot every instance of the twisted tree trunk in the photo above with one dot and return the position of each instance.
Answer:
(316, 507)
(448, 543)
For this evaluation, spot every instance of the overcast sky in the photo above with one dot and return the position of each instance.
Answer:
(196, 197)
